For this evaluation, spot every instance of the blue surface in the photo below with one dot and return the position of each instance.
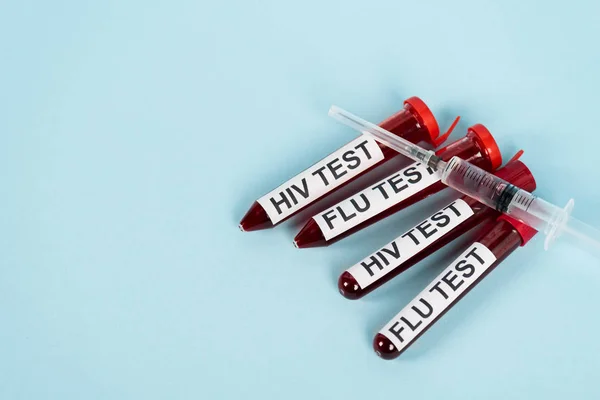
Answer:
(136, 134)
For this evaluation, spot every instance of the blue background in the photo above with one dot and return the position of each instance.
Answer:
(135, 134)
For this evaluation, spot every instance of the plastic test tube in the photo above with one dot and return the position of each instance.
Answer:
(427, 237)
(396, 192)
(415, 123)
(451, 285)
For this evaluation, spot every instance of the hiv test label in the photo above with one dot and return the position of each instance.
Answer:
(329, 173)
(375, 199)
(438, 296)
(395, 253)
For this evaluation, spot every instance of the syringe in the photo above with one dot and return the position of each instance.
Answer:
(483, 186)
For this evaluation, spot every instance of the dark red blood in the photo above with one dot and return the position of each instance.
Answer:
(403, 124)
(256, 218)
(502, 239)
(384, 347)
(349, 287)
(514, 172)
(468, 148)
(482, 214)
(310, 236)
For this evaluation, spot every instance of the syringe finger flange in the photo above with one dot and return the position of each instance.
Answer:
(557, 226)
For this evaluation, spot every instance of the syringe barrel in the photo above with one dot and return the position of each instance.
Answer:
(478, 184)
(509, 199)
(535, 212)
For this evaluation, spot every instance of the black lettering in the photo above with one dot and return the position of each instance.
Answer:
(363, 147)
(394, 183)
(322, 175)
(284, 200)
(410, 235)
(450, 281)
(472, 253)
(385, 261)
(334, 168)
(421, 313)
(328, 218)
(438, 217)
(381, 189)
(304, 192)
(411, 326)
(350, 157)
(291, 194)
(413, 175)
(451, 206)
(396, 332)
(365, 200)
(422, 227)
(462, 266)
(345, 217)
(439, 289)
(395, 253)
(374, 262)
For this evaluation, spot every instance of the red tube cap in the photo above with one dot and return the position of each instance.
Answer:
(518, 174)
(419, 109)
(487, 143)
(525, 231)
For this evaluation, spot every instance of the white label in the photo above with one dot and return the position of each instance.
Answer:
(375, 199)
(329, 173)
(438, 296)
(395, 253)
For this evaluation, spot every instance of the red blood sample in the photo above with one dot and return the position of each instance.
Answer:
(514, 172)
(502, 239)
(478, 147)
(415, 123)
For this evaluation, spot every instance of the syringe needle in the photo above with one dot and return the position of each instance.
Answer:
(385, 137)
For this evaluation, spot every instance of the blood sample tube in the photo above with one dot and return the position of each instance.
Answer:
(396, 192)
(415, 123)
(427, 237)
(451, 285)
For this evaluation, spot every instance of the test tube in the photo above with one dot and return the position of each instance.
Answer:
(415, 123)
(427, 237)
(474, 264)
(396, 192)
